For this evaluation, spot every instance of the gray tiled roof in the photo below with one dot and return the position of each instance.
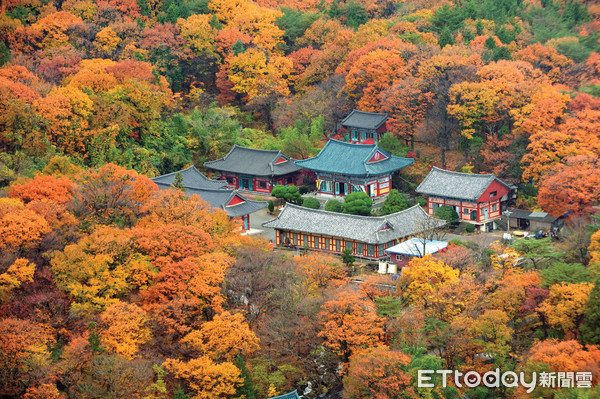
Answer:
(192, 177)
(219, 198)
(251, 161)
(537, 216)
(353, 159)
(364, 120)
(449, 184)
(369, 229)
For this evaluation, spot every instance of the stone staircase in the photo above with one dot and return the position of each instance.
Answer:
(460, 228)
(501, 223)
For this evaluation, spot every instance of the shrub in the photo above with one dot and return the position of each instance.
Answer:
(421, 201)
(312, 203)
(470, 228)
(395, 202)
(446, 213)
(333, 206)
(271, 206)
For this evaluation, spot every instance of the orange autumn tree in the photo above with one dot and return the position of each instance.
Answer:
(378, 373)
(576, 135)
(58, 190)
(23, 350)
(125, 328)
(54, 28)
(567, 356)
(111, 194)
(572, 186)
(205, 378)
(318, 270)
(190, 245)
(406, 102)
(184, 291)
(372, 69)
(350, 323)
(20, 228)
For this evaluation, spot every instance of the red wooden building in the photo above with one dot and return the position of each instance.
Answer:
(479, 199)
(367, 236)
(256, 170)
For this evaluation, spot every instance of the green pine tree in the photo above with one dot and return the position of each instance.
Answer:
(445, 38)
(178, 182)
(246, 390)
(358, 203)
(394, 202)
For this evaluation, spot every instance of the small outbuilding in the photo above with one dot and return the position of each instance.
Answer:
(401, 254)
(521, 219)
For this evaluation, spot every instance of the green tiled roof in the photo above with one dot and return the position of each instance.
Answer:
(289, 395)
(353, 159)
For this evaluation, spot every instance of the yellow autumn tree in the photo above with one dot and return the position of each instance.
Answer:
(107, 39)
(126, 328)
(423, 276)
(594, 250)
(198, 33)
(317, 270)
(19, 273)
(504, 258)
(223, 338)
(205, 378)
(255, 74)
(565, 306)
(100, 268)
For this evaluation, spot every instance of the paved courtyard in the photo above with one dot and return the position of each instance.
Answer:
(256, 220)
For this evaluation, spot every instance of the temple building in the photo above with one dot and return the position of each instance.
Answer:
(364, 127)
(256, 170)
(479, 199)
(215, 193)
(367, 236)
(344, 168)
